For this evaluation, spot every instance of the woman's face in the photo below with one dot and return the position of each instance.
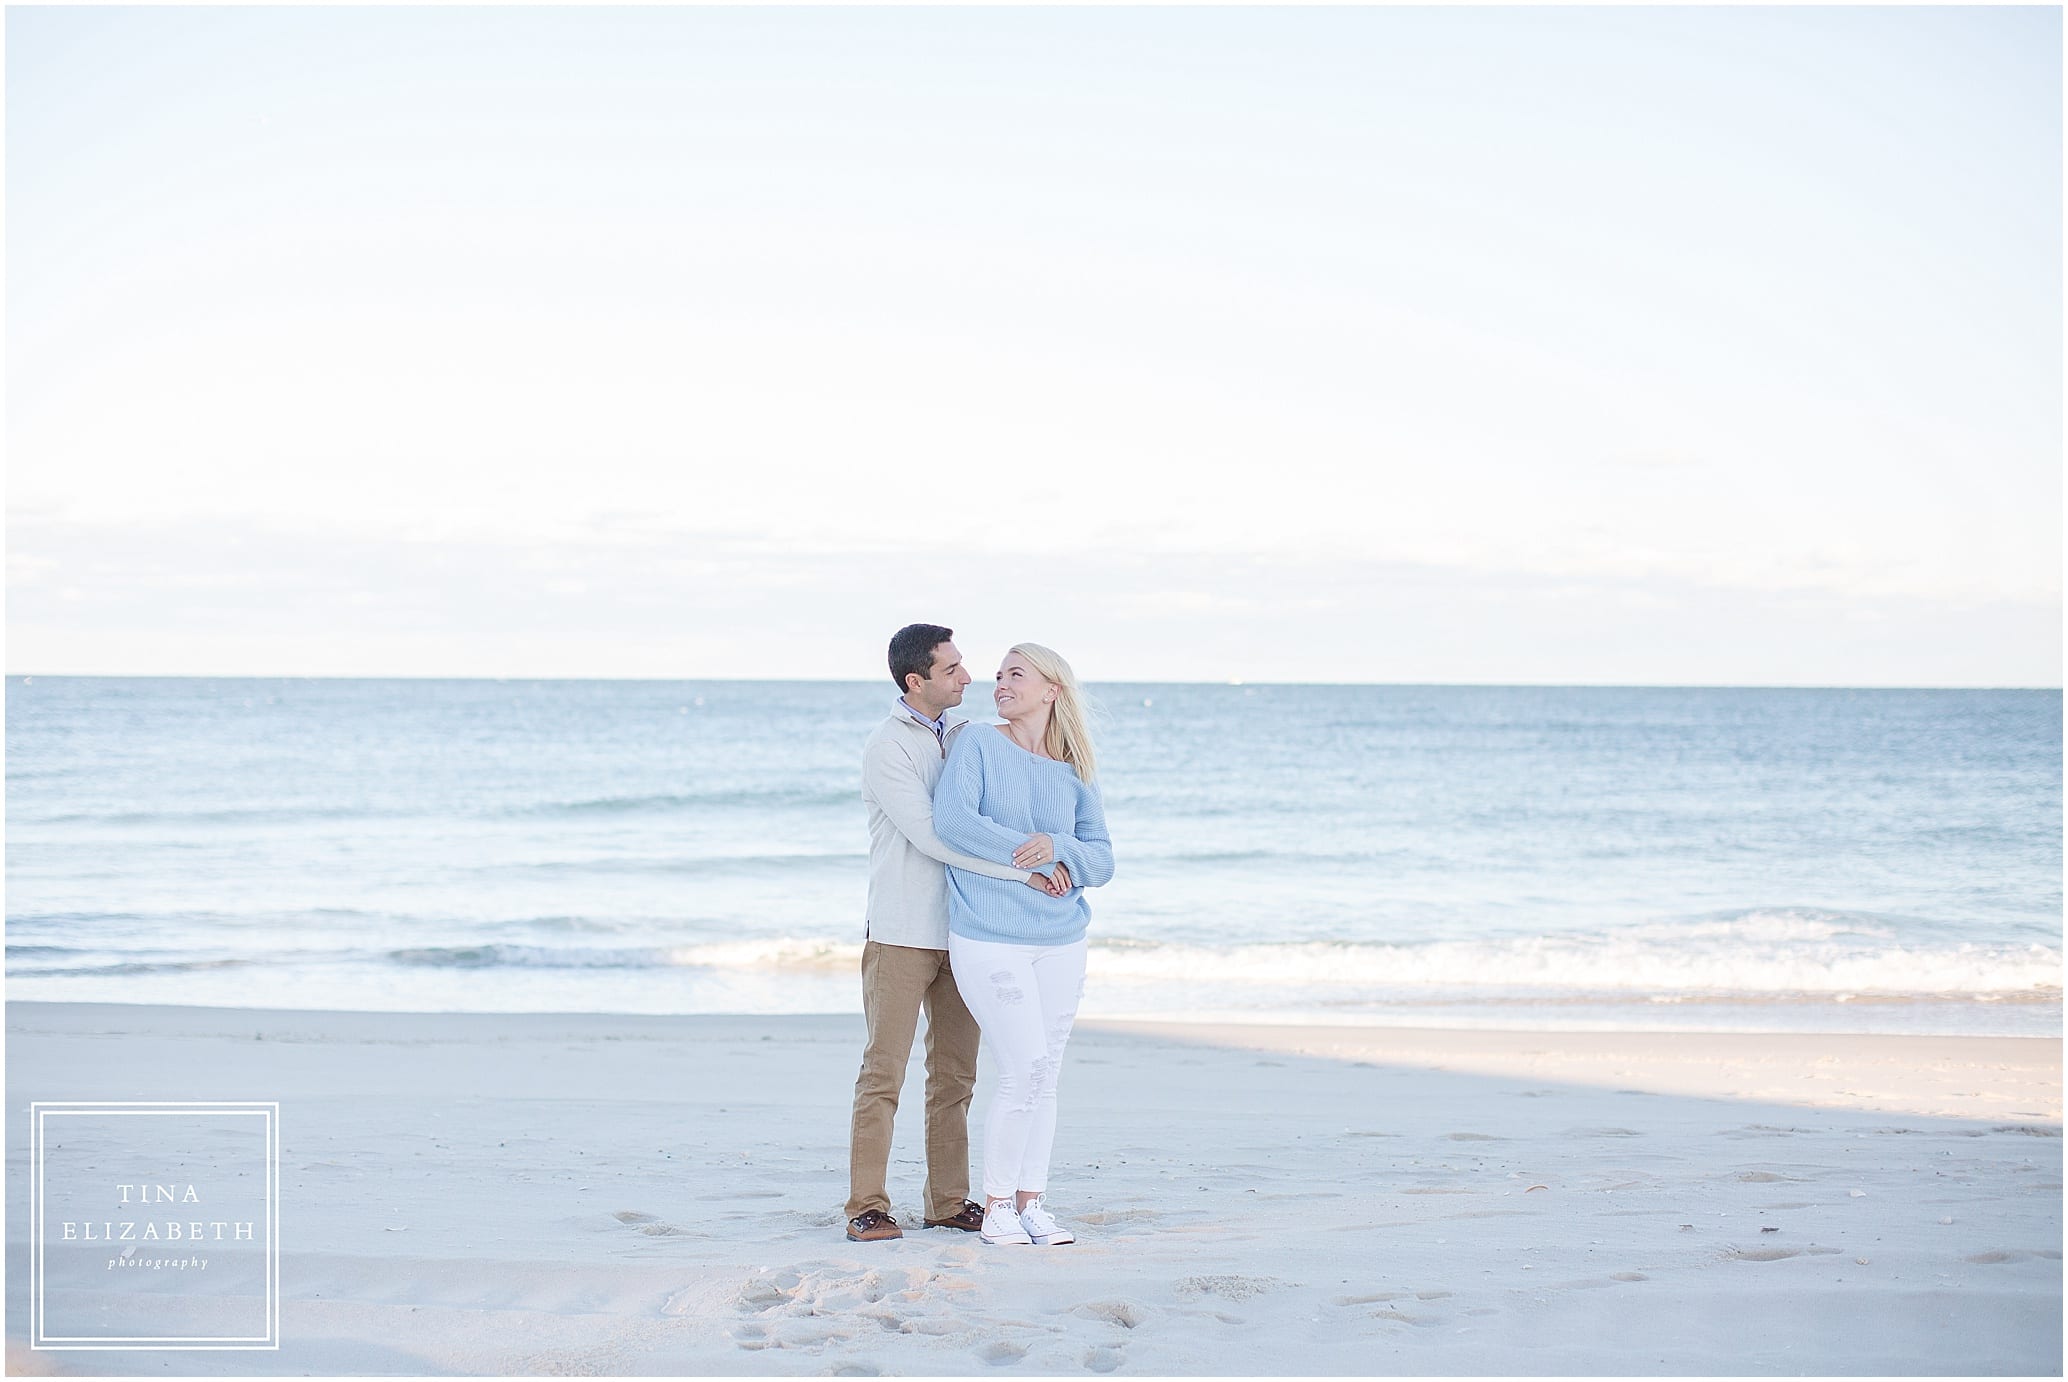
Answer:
(1021, 690)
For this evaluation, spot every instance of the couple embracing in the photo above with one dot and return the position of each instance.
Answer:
(982, 841)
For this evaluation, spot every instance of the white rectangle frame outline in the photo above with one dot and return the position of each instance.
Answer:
(269, 1110)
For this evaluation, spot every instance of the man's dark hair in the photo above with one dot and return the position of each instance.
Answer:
(911, 650)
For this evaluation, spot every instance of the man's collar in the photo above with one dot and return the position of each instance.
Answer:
(940, 726)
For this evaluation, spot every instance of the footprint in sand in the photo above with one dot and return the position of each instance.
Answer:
(933, 1324)
(650, 1224)
(821, 1290)
(1001, 1352)
(1776, 1254)
(765, 1293)
(1628, 1276)
(823, 1218)
(1472, 1137)
(1124, 1313)
(1103, 1359)
(810, 1335)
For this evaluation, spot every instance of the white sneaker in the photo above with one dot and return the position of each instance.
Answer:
(1001, 1225)
(1041, 1226)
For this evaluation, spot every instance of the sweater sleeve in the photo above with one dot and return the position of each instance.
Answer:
(895, 783)
(956, 798)
(1088, 850)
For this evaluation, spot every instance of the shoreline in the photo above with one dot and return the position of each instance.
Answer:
(828, 993)
(587, 1192)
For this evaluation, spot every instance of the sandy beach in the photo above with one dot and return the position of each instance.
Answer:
(581, 1194)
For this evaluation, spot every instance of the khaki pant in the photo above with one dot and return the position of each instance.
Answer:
(897, 982)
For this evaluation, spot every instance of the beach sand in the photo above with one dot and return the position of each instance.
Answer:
(578, 1194)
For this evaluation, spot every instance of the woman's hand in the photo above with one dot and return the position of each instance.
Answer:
(1038, 850)
(1056, 884)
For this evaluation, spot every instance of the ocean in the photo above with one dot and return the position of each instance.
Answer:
(1460, 856)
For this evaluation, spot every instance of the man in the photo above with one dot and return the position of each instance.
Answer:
(905, 950)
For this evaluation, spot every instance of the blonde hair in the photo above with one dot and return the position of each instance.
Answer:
(1069, 721)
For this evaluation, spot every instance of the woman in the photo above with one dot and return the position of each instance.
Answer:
(1023, 791)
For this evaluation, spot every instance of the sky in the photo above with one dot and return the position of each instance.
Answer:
(1711, 346)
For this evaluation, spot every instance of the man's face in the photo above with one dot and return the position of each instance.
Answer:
(942, 688)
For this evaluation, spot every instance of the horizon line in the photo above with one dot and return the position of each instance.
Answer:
(28, 677)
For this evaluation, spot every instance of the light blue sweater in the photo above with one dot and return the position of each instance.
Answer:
(992, 795)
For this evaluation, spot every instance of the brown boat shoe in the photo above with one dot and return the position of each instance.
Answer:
(969, 1218)
(872, 1226)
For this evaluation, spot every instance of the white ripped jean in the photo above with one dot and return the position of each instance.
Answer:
(1024, 998)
